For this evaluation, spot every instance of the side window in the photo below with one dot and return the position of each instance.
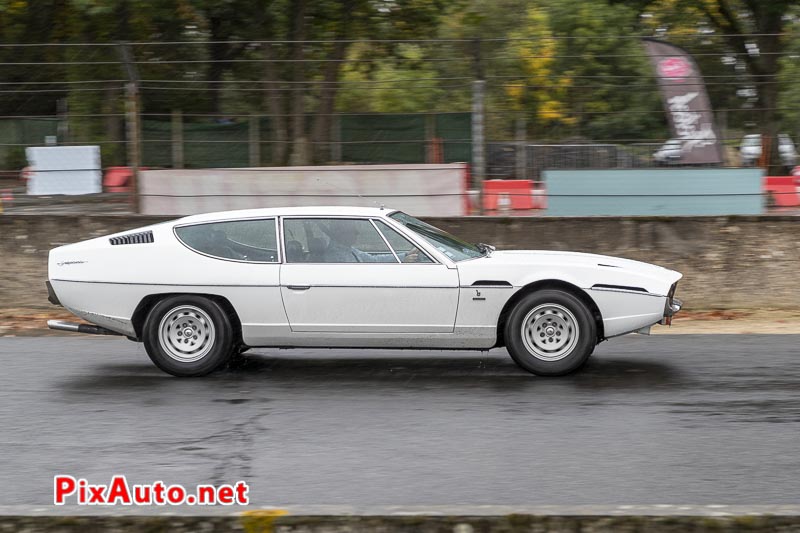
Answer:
(405, 249)
(240, 240)
(334, 240)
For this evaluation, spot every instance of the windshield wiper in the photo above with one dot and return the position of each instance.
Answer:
(486, 249)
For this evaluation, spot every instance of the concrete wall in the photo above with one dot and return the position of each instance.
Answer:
(728, 262)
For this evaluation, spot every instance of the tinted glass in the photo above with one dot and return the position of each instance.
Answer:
(241, 240)
(451, 246)
(405, 249)
(334, 240)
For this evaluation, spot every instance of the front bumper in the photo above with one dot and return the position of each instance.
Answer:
(51, 294)
(672, 306)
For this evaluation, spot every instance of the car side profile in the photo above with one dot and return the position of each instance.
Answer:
(668, 153)
(204, 288)
(750, 150)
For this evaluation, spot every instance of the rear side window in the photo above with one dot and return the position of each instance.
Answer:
(239, 240)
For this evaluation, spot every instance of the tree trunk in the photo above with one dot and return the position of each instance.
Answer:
(217, 54)
(768, 20)
(274, 102)
(321, 131)
(300, 150)
(273, 97)
(769, 43)
(768, 99)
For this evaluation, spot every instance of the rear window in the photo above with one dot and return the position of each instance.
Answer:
(237, 240)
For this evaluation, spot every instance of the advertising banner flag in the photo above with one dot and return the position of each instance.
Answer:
(686, 103)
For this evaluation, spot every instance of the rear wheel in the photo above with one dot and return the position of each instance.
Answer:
(188, 335)
(550, 333)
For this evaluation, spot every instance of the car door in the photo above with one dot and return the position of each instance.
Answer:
(341, 276)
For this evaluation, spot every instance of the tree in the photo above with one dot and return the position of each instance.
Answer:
(569, 68)
(754, 29)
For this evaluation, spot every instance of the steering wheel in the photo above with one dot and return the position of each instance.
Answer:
(233, 254)
(412, 256)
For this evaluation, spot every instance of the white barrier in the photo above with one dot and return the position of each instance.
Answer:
(64, 170)
(425, 190)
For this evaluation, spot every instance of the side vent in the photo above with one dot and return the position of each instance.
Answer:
(618, 287)
(491, 283)
(132, 238)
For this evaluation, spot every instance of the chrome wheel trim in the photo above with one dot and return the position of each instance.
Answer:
(186, 333)
(550, 332)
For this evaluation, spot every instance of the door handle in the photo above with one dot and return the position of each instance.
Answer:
(298, 287)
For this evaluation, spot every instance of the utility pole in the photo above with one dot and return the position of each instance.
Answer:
(132, 122)
(478, 124)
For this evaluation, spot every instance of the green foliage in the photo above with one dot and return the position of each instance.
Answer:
(568, 69)
(403, 83)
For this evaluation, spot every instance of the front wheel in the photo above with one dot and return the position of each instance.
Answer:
(188, 335)
(550, 333)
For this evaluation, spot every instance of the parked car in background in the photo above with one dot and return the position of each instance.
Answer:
(750, 150)
(204, 288)
(669, 153)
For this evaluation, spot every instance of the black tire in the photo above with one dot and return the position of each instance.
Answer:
(183, 354)
(550, 347)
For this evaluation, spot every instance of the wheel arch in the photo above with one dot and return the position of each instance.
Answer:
(148, 302)
(543, 285)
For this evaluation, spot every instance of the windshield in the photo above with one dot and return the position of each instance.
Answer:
(452, 247)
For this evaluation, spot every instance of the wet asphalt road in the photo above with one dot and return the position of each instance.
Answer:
(667, 419)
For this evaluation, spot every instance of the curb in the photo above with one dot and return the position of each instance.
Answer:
(333, 519)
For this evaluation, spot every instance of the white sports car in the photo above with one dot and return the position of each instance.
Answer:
(204, 288)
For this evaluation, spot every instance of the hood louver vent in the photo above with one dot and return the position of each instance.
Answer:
(133, 238)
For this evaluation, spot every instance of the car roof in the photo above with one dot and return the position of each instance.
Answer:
(290, 211)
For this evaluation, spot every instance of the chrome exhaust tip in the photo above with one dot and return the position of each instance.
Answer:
(74, 327)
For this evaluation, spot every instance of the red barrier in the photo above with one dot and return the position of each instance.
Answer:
(782, 190)
(508, 194)
(117, 179)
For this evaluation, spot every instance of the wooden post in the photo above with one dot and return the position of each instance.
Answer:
(430, 137)
(177, 138)
(521, 159)
(132, 119)
(255, 141)
(336, 139)
(478, 153)
(132, 122)
(478, 124)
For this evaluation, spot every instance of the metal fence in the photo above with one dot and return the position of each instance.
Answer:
(169, 105)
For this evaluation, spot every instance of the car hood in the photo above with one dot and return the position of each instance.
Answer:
(520, 267)
(549, 256)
